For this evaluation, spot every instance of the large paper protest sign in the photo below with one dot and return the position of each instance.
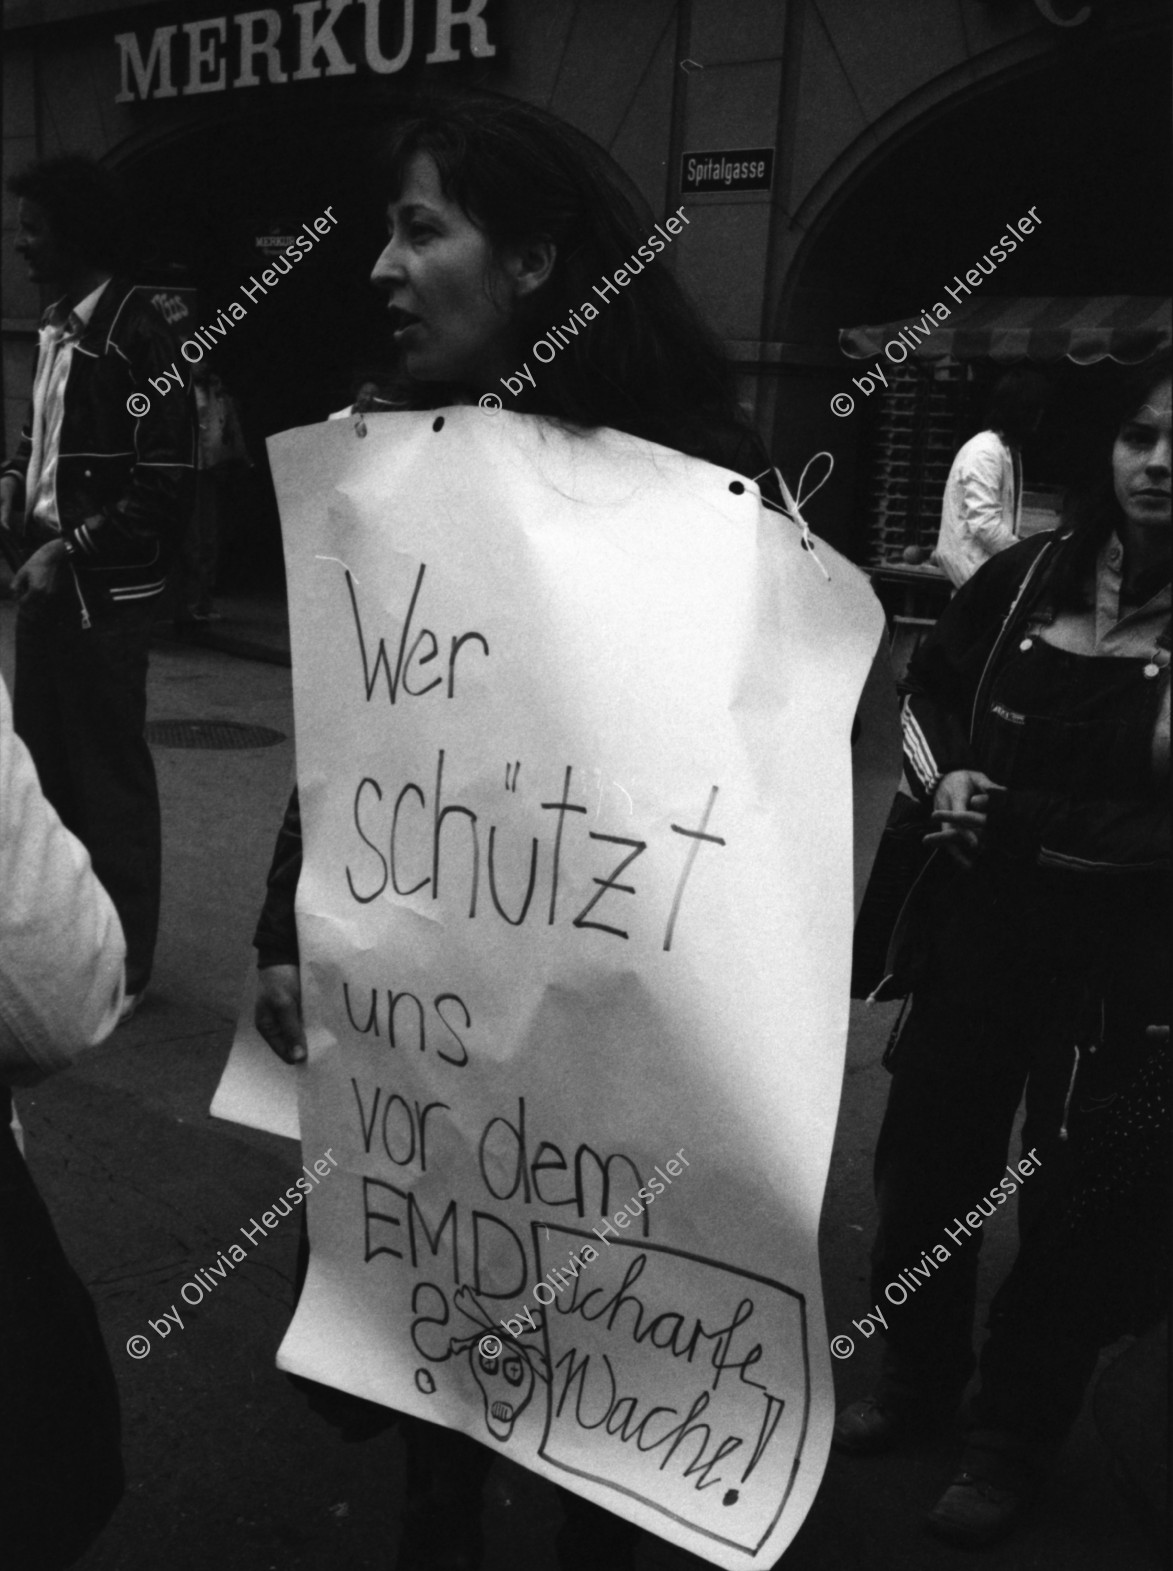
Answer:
(573, 735)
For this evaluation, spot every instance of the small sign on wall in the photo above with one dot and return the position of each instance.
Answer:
(735, 169)
(274, 239)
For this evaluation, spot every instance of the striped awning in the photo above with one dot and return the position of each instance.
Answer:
(1127, 328)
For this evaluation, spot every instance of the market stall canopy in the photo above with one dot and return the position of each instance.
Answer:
(1127, 328)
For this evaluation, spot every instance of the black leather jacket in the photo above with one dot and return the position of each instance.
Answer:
(135, 475)
(947, 694)
(1074, 875)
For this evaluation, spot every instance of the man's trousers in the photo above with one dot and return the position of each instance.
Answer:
(960, 1067)
(80, 707)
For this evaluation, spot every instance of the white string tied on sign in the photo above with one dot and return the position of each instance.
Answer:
(792, 506)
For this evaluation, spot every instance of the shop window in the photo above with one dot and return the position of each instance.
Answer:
(919, 424)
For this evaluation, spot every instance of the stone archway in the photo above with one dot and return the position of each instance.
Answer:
(888, 225)
(923, 188)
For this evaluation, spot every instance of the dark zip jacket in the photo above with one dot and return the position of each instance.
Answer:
(1062, 874)
(132, 477)
(944, 698)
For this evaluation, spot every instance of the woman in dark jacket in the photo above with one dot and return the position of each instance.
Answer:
(1035, 944)
(501, 221)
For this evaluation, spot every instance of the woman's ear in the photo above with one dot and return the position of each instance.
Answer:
(529, 266)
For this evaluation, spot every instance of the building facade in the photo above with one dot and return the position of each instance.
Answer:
(841, 164)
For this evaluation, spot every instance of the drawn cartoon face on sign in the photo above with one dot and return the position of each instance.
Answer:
(506, 1377)
(507, 1384)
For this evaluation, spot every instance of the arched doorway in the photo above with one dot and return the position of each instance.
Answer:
(1078, 133)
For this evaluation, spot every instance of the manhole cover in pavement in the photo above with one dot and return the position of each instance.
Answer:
(213, 734)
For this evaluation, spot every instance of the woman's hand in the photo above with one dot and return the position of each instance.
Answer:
(960, 806)
(278, 1013)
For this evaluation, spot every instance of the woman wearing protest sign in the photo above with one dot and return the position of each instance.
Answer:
(502, 221)
(1035, 947)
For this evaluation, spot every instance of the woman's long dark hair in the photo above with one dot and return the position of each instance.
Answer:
(1090, 509)
(646, 364)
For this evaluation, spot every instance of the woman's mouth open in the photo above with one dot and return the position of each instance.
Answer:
(401, 322)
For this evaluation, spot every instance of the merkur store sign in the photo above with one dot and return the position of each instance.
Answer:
(312, 39)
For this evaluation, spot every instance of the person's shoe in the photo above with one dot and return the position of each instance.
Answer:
(987, 1498)
(439, 1540)
(442, 1505)
(592, 1538)
(130, 1006)
(869, 1427)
